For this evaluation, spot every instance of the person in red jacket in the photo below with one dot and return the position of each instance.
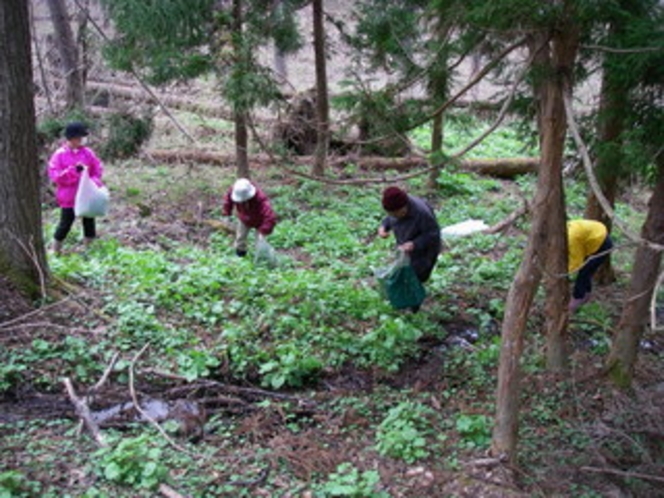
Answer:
(253, 211)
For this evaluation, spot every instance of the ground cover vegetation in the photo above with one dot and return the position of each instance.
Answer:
(310, 383)
(209, 375)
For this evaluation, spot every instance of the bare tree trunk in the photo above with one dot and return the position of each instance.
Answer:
(634, 318)
(547, 229)
(82, 39)
(613, 98)
(565, 47)
(436, 146)
(240, 115)
(322, 103)
(280, 67)
(66, 44)
(22, 255)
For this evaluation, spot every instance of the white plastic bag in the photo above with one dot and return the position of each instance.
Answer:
(91, 200)
(464, 228)
(265, 253)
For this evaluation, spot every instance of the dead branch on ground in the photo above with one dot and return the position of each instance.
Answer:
(145, 415)
(83, 411)
(623, 473)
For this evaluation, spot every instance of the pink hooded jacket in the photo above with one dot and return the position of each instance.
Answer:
(62, 171)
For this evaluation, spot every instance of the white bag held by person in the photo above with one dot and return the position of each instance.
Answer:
(91, 200)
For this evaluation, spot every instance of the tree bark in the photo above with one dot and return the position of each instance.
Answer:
(322, 103)
(608, 166)
(565, 47)
(436, 146)
(22, 255)
(634, 318)
(240, 114)
(546, 230)
(66, 43)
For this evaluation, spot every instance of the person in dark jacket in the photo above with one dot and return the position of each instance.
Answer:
(415, 228)
(253, 211)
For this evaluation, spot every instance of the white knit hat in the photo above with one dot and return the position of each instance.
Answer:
(243, 190)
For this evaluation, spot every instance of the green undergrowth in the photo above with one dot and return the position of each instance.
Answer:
(206, 314)
(200, 307)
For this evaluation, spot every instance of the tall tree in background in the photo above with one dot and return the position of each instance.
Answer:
(182, 39)
(645, 273)
(69, 57)
(239, 109)
(22, 255)
(642, 138)
(322, 100)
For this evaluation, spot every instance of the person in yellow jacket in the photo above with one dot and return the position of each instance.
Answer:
(588, 245)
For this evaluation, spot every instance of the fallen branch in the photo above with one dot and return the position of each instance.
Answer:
(132, 93)
(499, 167)
(84, 413)
(169, 492)
(144, 414)
(502, 225)
(623, 473)
(219, 225)
(251, 391)
(105, 375)
(8, 323)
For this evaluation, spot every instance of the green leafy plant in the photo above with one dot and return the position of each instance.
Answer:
(133, 462)
(13, 484)
(348, 481)
(291, 367)
(474, 429)
(403, 432)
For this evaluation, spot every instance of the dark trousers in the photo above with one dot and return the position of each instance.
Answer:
(67, 218)
(584, 279)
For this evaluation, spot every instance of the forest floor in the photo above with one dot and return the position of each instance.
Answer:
(580, 437)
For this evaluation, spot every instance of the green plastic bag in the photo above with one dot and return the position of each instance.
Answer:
(399, 284)
(265, 253)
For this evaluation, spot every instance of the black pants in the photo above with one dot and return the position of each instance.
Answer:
(67, 218)
(584, 280)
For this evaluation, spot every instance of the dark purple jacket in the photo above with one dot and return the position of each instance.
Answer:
(420, 227)
(255, 213)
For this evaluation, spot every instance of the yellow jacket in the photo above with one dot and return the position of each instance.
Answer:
(584, 238)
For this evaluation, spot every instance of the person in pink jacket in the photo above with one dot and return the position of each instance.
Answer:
(253, 211)
(65, 168)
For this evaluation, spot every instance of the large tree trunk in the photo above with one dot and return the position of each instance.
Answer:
(22, 256)
(240, 115)
(547, 230)
(608, 166)
(565, 47)
(66, 44)
(634, 318)
(322, 103)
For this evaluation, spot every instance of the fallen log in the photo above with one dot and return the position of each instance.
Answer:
(137, 93)
(500, 167)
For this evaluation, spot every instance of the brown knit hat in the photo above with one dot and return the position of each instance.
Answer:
(394, 198)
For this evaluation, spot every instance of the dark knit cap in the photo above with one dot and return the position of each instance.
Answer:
(76, 129)
(394, 198)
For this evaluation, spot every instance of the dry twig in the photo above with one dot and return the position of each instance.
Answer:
(145, 415)
(83, 412)
(623, 473)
